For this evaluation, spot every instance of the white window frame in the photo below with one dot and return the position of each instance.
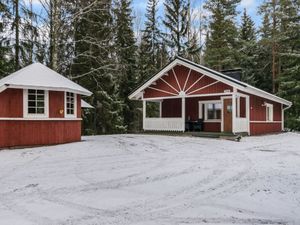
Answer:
(269, 107)
(33, 115)
(75, 106)
(205, 103)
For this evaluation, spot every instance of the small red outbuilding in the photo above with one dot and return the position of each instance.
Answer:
(39, 107)
(193, 97)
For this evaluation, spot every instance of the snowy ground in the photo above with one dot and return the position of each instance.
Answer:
(153, 180)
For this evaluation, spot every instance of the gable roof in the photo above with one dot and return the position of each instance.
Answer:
(86, 105)
(37, 76)
(242, 86)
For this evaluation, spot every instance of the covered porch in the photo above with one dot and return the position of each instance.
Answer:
(227, 112)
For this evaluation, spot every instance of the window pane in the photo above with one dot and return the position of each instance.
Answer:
(31, 110)
(32, 92)
(31, 97)
(40, 92)
(214, 111)
(31, 104)
(40, 97)
(40, 110)
(40, 104)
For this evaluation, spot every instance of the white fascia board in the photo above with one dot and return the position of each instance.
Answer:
(87, 93)
(3, 88)
(264, 94)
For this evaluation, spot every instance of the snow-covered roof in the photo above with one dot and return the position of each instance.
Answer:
(84, 104)
(137, 93)
(38, 76)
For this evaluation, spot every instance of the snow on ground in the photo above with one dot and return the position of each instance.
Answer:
(153, 180)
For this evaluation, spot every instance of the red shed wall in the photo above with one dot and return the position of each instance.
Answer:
(56, 103)
(30, 133)
(36, 132)
(258, 123)
(11, 103)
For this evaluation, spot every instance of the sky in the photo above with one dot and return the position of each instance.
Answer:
(139, 7)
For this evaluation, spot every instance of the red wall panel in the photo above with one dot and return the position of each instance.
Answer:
(11, 103)
(30, 133)
(78, 106)
(171, 107)
(258, 111)
(56, 103)
(264, 128)
(212, 127)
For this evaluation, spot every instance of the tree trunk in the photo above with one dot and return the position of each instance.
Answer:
(274, 49)
(17, 35)
(54, 27)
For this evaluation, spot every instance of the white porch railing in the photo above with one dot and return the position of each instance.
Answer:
(163, 124)
(241, 125)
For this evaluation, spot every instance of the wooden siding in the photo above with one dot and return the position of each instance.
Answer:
(30, 133)
(212, 127)
(56, 103)
(11, 103)
(78, 106)
(258, 113)
(171, 108)
(264, 128)
(191, 85)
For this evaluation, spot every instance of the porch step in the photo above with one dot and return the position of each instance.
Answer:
(210, 134)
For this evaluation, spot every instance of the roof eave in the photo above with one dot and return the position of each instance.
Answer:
(85, 92)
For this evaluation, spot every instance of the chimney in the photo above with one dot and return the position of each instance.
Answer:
(233, 73)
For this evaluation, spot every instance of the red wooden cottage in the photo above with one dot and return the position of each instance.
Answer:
(39, 107)
(191, 96)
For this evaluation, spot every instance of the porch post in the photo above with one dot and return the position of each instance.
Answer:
(144, 113)
(183, 113)
(160, 109)
(233, 112)
(248, 113)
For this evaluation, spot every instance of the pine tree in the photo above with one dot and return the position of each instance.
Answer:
(176, 21)
(94, 65)
(149, 49)
(16, 28)
(6, 54)
(270, 11)
(221, 47)
(248, 49)
(289, 80)
(126, 61)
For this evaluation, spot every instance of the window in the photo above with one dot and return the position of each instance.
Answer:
(213, 111)
(70, 104)
(269, 112)
(36, 102)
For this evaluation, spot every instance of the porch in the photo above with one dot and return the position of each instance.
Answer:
(207, 113)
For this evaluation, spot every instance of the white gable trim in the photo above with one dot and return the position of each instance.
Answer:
(242, 87)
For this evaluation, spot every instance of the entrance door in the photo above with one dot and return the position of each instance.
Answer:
(227, 114)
